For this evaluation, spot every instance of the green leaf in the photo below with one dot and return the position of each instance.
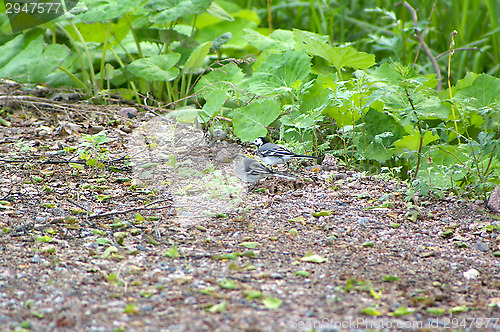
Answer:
(339, 57)
(156, 68)
(19, 63)
(459, 309)
(217, 11)
(321, 213)
(390, 278)
(103, 198)
(172, 252)
(228, 284)
(371, 311)
(207, 290)
(221, 307)
(44, 238)
(478, 90)
(280, 73)
(225, 78)
(402, 311)
(412, 142)
(171, 10)
(369, 244)
(131, 309)
(278, 40)
(250, 122)
(302, 273)
(313, 258)
(253, 294)
(75, 165)
(250, 245)
(272, 302)
(102, 241)
(139, 217)
(197, 57)
(231, 256)
(436, 311)
(215, 101)
(109, 251)
(50, 59)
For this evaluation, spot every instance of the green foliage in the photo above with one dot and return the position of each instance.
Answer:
(308, 89)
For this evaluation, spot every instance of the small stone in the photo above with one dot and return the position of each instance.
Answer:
(41, 219)
(330, 163)
(95, 129)
(36, 259)
(494, 200)
(128, 112)
(471, 274)
(481, 246)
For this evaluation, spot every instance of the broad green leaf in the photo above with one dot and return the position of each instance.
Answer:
(280, 73)
(412, 142)
(171, 10)
(217, 11)
(279, 40)
(381, 131)
(197, 57)
(215, 101)
(104, 11)
(313, 258)
(339, 57)
(97, 32)
(272, 302)
(52, 56)
(478, 90)
(156, 68)
(226, 78)
(236, 28)
(250, 122)
(19, 63)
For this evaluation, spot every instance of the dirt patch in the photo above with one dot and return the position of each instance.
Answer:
(155, 243)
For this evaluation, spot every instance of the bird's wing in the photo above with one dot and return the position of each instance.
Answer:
(274, 150)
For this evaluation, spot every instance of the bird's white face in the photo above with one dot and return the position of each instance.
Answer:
(258, 141)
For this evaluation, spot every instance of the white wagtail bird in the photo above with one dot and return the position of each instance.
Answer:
(250, 170)
(273, 154)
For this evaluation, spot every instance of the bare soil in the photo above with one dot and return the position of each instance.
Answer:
(162, 243)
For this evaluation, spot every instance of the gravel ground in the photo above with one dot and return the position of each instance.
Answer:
(94, 249)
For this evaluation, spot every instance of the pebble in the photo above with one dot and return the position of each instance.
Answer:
(128, 112)
(41, 219)
(36, 259)
(471, 274)
(481, 246)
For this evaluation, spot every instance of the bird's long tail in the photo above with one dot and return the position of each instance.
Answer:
(304, 156)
